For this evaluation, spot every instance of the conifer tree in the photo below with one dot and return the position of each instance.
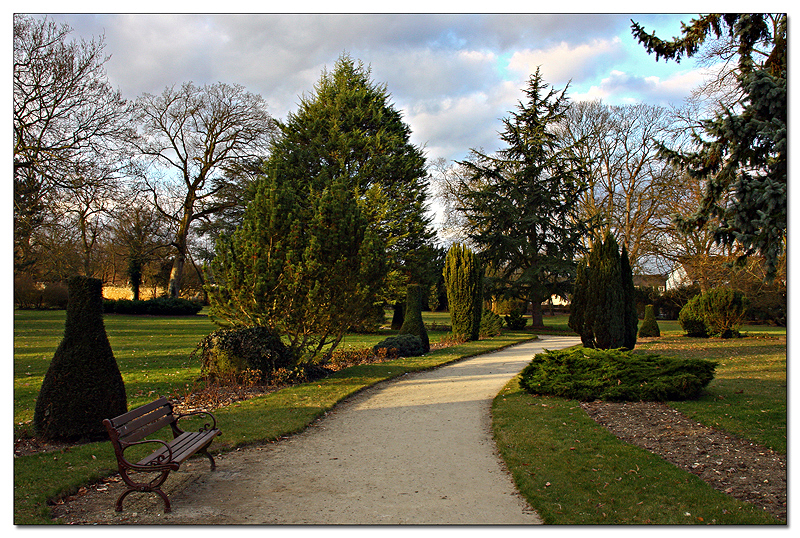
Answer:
(742, 151)
(347, 128)
(83, 384)
(304, 263)
(463, 277)
(522, 202)
(602, 310)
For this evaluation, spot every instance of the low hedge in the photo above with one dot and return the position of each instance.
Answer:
(615, 375)
(162, 306)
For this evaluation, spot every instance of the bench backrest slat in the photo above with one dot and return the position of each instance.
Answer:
(141, 422)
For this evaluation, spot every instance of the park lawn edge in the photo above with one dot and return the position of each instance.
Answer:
(42, 479)
(573, 471)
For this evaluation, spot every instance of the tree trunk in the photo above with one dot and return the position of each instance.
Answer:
(176, 275)
(537, 321)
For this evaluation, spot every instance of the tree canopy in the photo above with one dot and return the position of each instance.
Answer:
(348, 128)
(742, 151)
(522, 203)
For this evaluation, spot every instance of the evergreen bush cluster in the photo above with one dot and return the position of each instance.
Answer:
(405, 345)
(717, 312)
(463, 277)
(228, 354)
(161, 306)
(515, 320)
(615, 375)
(491, 324)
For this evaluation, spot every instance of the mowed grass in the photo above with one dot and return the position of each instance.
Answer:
(575, 472)
(153, 356)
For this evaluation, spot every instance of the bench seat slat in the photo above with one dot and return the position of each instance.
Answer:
(145, 428)
(182, 446)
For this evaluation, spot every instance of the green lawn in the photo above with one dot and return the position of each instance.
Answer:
(153, 356)
(575, 472)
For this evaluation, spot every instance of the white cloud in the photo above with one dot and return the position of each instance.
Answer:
(566, 61)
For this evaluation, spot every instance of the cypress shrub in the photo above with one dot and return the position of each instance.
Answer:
(515, 320)
(491, 324)
(83, 384)
(412, 322)
(649, 326)
(603, 307)
(615, 375)
(463, 280)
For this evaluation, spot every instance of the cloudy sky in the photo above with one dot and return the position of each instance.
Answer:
(454, 76)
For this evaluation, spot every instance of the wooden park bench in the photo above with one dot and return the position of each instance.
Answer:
(132, 429)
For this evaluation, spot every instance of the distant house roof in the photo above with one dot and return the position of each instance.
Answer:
(650, 281)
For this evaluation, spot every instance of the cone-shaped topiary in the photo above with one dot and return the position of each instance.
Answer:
(463, 279)
(83, 384)
(649, 326)
(412, 322)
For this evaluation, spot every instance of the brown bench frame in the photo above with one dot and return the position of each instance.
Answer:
(133, 427)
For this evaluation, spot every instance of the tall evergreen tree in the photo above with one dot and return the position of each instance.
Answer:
(522, 203)
(348, 128)
(463, 279)
(742, 151)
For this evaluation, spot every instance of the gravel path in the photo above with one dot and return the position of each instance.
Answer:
(417, 450)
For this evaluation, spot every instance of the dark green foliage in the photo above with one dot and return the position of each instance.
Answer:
(649, 326)
(515, 320)
(225, 354)
(348, 129)
(692, 319)
(304, 263)
(83, 384)
(412, 322)
(463, 277)
(603, 305)
(742, 151)
(717, 312)
(630, 318)
(406, 345)
(615, 375)
(161, 306)
(522, 202)
(491, 324)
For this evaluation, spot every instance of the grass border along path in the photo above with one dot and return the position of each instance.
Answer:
(41, 478)
(573, 471)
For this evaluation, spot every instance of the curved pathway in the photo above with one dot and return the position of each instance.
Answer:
(417, 450)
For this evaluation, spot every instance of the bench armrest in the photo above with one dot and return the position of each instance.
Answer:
(206, 427)
(162, 460)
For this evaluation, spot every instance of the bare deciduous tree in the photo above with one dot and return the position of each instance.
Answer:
(189, 136)
(66, 117)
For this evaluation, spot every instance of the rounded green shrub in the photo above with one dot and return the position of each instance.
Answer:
(226, 354)
(406, 345)
(723, 310)
(491, 324)
(412, 322)
(692, 320)
(615, 375)
(515, 320)
(649, 326)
